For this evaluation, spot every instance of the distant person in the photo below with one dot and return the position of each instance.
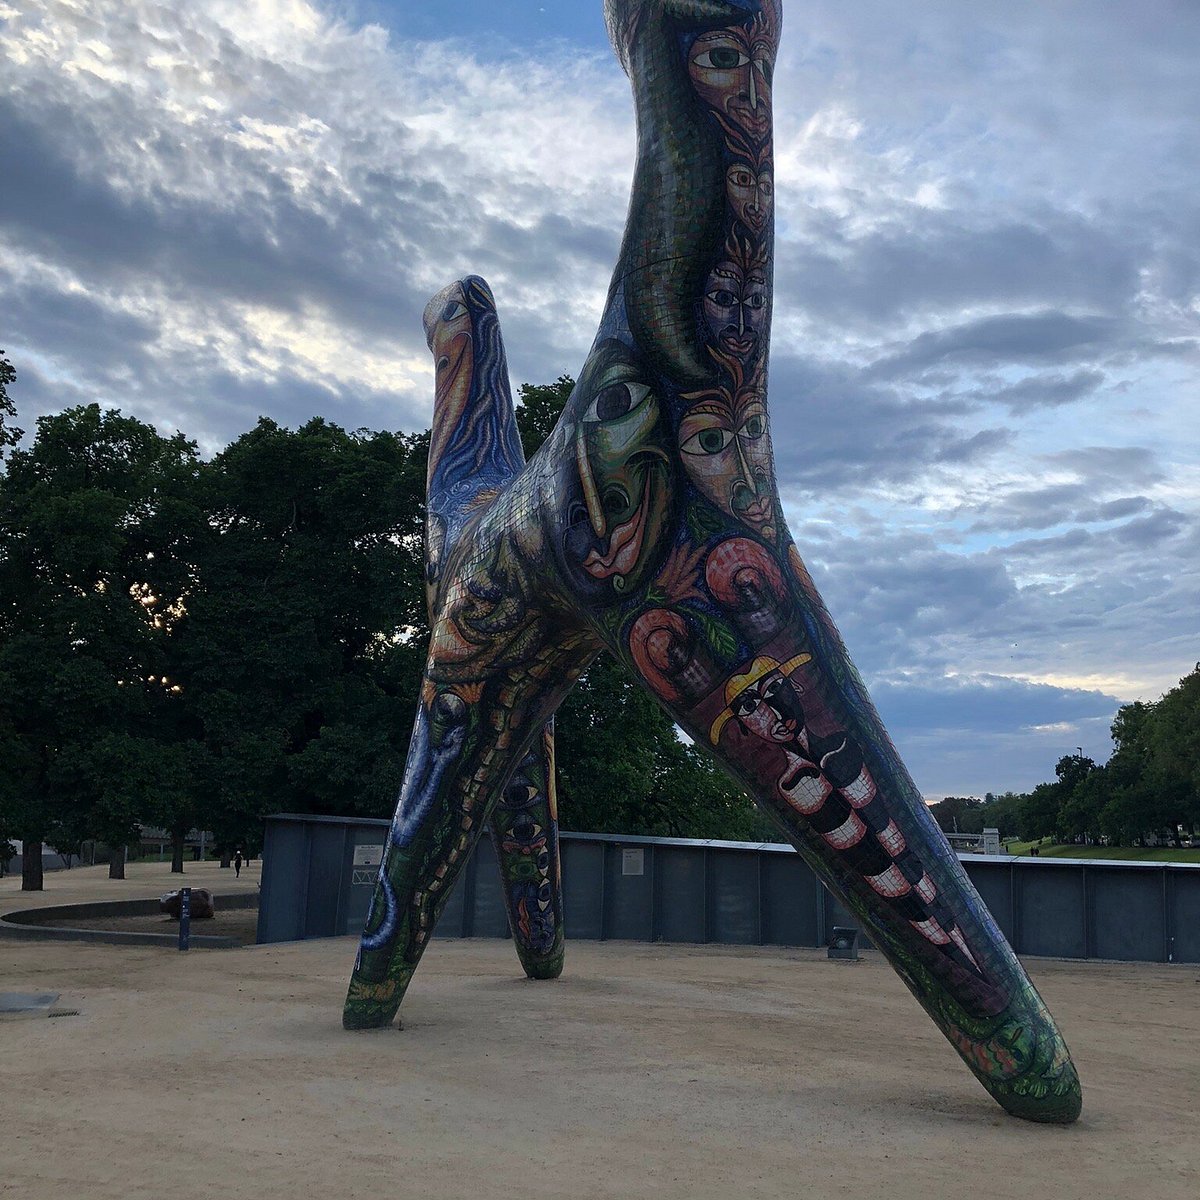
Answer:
(237, 865)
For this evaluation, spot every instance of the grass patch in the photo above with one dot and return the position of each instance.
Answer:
(1123, 853)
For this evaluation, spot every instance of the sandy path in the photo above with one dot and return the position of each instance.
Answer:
(646, 1071)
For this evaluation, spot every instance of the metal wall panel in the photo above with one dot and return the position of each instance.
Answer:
(488, 915)
(1050, 911)
(1184, 891)
(629, 895)
(735, 904)
(583, 889)
(994, 883)
(327, 854)
(682, 894)
(1126, 915)
(791, 899)
(281, 909)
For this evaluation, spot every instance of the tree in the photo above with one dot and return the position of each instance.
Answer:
(1000, 812)
(538, 410)
(1079, 814)
(958, 814)
(1172, 743)
(300, 652)
(90, 584)
(623, 768)
(9, 434)
(1037, 812)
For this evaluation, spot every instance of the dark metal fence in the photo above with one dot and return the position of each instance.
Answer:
(318, 874)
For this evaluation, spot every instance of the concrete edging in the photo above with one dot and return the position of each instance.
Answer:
(24, 923)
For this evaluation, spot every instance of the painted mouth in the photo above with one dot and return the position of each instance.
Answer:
(739, 345)
(624, 544)
(784, 730)
(758, 511)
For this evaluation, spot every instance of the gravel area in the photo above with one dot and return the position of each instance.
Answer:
(689, 1072)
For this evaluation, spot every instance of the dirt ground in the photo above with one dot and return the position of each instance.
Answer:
(646, 1071)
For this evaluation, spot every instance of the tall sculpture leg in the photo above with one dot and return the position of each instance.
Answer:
(474, 454)
(792, 721)
(467, 741)
(524, 830)
(671, 535)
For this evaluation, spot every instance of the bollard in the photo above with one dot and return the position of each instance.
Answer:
(185, 918)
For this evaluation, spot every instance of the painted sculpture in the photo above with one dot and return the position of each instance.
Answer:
(649, 525)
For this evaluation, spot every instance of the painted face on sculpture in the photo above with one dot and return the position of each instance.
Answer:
(614, 529)
(447, 718)
(731, 70)
(736, 307)
(449, 331)
(771, 709)
(727, 452)
(751, 192)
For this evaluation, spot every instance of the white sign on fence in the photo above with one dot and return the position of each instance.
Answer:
(633, 862)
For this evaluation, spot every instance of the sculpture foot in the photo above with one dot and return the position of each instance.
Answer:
(372, 1006)
(547, 968)
(359, 1018)
(1057, 1102)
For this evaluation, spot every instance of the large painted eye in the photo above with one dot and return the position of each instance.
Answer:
(766, 67)
(754, 426)
(722, 298)
(745, 705)
(755, 300)
(453, 310)
(721, 58)
(616, 401)
(707, 441)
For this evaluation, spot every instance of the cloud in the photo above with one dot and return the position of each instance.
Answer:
(260, 179)
(1020, 339)
(1048, 390)
(985, 351)
(960, 735)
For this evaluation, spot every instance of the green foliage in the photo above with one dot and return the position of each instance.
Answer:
(301, 647)
(9, 434)
(94, 518)
(958, 814)
(538, 410)
(1150, 786)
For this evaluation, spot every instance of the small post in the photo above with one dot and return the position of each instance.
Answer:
(185, 918)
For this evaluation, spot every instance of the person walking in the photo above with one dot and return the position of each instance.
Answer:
(237, 864)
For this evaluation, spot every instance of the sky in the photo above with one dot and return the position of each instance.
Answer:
(986, 341)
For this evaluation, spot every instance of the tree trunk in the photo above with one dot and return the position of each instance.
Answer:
(226, 857)
(31, 864)
(177, 837)
(116, 863)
